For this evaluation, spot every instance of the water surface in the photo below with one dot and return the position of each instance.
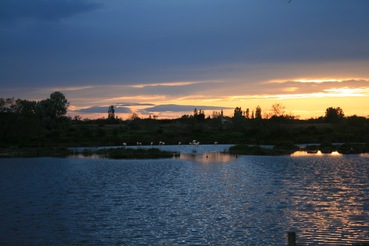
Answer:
(205, 199)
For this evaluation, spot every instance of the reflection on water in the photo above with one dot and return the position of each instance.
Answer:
(208, 158)
(249, 200)
(315, 153)
(332, 204)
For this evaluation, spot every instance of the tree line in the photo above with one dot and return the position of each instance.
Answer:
(44, 122)
(49, 109)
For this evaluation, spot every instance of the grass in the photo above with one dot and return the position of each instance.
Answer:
(140, 153)
(279, 149)
(110, 153)
(28, 152)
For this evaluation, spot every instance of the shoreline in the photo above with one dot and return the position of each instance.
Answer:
(154, 152)
(108, 153)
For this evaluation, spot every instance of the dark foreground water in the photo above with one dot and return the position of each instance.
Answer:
(197, 200)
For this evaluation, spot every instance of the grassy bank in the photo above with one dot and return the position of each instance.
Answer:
(28, 152)
(279, 149)
(117, 153)
(129, 153)
(288, 149)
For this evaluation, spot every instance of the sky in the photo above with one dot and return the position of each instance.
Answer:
(167, 57)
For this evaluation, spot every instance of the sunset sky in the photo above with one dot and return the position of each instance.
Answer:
(166, 57)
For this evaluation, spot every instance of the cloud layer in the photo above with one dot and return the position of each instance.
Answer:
(101, 110)
(49, 10)
(181, 108)
(159, 52)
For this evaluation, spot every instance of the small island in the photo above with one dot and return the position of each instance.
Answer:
(289, 148)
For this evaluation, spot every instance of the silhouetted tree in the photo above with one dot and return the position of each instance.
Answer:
(247, 113)
(258, 112)
(111, 112)
(334, 115)
(278, 109)
(52, 109)
(7, 105)
(238, 118)
(215, 115)
(134, 116)
(26, 107)
(199, 115)
(59, 104)
(237, 112)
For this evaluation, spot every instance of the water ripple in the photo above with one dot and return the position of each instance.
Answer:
(245, 201)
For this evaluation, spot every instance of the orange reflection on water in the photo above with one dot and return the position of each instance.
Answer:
(335, 153)
(330, 204)
(317, 153)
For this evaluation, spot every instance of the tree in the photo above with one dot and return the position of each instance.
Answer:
(53, 108)
(59, 104)
(334, 115)
(258, 112)
(215, 115)
(134, 116)
(238, 119)
(237, 112)
(199, 115)
(111, 112)
(247, 113)
(25, 107)
(278, 109)
(7, 105)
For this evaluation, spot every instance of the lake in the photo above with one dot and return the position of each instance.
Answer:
(207, 198)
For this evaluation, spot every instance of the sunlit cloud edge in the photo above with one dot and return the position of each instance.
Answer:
(315, 80)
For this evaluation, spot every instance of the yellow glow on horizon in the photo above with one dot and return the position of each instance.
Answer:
(290, 89)
(303, 106)
(349, 92)
(315, 80)
(191, 98)
(300, 99)
(210, 100)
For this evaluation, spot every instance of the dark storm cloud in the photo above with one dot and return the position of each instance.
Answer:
(181, 108)
(128, 104)
(100, 109)
(50, 10)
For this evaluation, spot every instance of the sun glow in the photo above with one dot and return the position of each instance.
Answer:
(303, 98)
(315, 80)
(348, 92)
